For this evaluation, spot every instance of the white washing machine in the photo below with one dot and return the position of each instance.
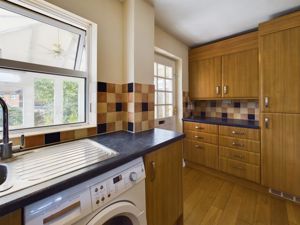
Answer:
(113, 198)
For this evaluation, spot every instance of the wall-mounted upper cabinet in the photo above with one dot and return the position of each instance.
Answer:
(205, 78)
(279, 46)
(226, 69)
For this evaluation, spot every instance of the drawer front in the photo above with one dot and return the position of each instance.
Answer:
(200, 127)
(240, 144)
(239, 169)
(201, 153)
(202, 137)
(238, 132)
(243, 156)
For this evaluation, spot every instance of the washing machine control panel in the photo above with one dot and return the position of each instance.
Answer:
(103, 192)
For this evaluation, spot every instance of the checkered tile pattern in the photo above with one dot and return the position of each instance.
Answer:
(138, 114)
(231, 109)
(109, 107)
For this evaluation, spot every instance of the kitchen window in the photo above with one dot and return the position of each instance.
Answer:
(164, 81)
(47, 66)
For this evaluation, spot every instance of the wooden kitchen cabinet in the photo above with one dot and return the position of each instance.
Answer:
(164, 185)
(240, 74)
(205, 78)
(225, 69)
(281, 152)
(14, 218)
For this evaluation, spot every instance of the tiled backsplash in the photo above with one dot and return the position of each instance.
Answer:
(127, 107)
(231, 109)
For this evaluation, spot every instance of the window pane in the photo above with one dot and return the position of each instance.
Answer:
(169, 110)
(161, 98)
(169, 85)
(155, 98)
(169, 72)
(169, 98)
(155, 83)
(155, 112)
(161, 84)
(29, 40)
(36, 99)
(161, 70)
(160, 112)
(155, 69)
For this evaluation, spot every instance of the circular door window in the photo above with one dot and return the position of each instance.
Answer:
(119, 220)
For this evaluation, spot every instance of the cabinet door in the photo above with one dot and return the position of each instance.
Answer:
(240, 74)
(281, 152)
(164, 185)
(14, 218)
(280, 71)
(205, 78)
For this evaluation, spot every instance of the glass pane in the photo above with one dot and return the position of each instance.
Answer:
(169, 85)
(161, 84)
(155, 83)
(155, 69)
(169, 111)
(155, 98)
(119, 220)
(161, 70)
(160, 112)
(28, 40)
(36, 99)
(169, 72)
(161, 98)
(169, 98)
(155, 112)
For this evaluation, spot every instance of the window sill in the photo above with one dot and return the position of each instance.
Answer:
(46, 130)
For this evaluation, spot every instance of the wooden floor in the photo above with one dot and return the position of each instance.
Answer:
(209, 200)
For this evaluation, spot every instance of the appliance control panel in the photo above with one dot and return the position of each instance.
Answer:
(103, 192)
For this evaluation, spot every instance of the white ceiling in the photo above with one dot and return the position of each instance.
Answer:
(200, 21)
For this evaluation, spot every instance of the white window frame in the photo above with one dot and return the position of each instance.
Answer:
(165, 91)
(79, 24)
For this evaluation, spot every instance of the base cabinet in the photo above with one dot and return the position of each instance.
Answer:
(164, 185)
(14, 218)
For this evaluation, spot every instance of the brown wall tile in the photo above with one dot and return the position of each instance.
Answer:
(34, 141)
(67, 135)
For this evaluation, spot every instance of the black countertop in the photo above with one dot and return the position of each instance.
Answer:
(225, 122)
(130, 146)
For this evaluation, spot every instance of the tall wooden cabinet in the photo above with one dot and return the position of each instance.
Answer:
(226, 69)
(279, 42)
(164, 185)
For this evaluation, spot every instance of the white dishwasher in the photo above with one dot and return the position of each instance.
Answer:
(115, 197)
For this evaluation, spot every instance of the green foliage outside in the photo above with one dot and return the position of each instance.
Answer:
(70, 107)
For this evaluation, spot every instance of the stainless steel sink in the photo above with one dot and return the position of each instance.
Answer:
(50, 162)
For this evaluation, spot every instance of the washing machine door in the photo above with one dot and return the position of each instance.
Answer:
(119, 213)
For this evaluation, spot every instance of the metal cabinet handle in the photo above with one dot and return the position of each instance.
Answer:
(238, 167)
(198, 146)
(238, 156)
(153, 166)
(197, 137)
(266, 102)
(267, 124)
(237, 133)
(237, 144)
(218, 90)
(199, 128)
(225, 89)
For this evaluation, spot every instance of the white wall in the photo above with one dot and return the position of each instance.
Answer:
(168, 43)
(108, 14)
(138, 41)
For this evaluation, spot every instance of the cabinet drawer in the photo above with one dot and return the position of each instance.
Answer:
(243, 156)
(241, 144)
(200, 127)
(239, 169)
(204, 154)
(238, 132)
(202, 137)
